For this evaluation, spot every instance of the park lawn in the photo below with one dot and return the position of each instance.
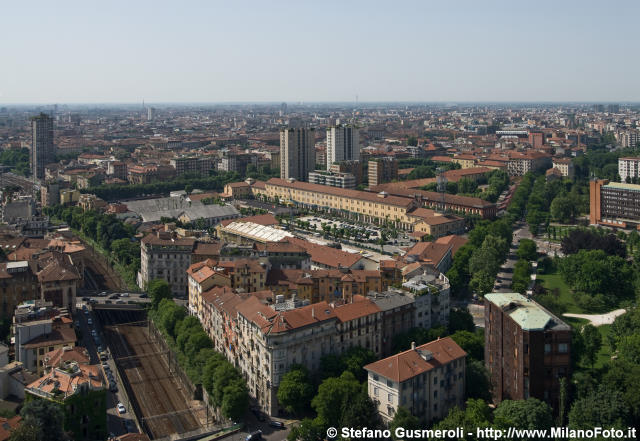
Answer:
(565, 296)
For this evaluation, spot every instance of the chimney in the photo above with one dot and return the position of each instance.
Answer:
(313, 312)
(413, 345)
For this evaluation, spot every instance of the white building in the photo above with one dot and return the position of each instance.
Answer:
(628, 168)
(427, 380)
(343, 144)
(565, 166)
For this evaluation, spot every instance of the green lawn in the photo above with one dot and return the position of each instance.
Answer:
(565, 297)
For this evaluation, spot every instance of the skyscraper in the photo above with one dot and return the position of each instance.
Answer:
(42, 148)
(297, 153)
(343, 144)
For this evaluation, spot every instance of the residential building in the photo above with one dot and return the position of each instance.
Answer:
(565, 166)
(165, 256)
(428, 380)
(629, 169)
(117, 169)
(527, 349)
(382, 170)
(80, 392)
(297, 153)
(465, 161)
(340, 180)
(352, 167)
(628, 138)
(343, 144)
(42, 148)
(18, 284)
(522, 163)
(194, 166)
(613, 203)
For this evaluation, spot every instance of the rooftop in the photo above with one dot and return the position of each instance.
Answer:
(529, 315)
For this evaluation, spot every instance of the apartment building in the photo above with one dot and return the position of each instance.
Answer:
(340, 180)
(186, 165)
(352, 167)
(343, 144)
(117, 170)
(381, 170)
(628, 138)
(19, 284)
(629, 169)
(297, 153)
(428, 380)
(527, 349)
(465, 161)
(165, 256)
(522, 163)
(565, 166)
(614, 203)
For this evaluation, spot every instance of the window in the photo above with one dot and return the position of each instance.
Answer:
(390, 398)
(389, 383)
(547, 348)
(376, 391)
(563, 348)
(376, 378)
(435, 380)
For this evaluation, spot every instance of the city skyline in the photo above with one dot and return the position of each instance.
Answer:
(413, 52)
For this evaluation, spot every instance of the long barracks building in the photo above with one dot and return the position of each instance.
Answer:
(404, 211)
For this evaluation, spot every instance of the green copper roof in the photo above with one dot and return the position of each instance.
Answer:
(623, 186)
(529, 315)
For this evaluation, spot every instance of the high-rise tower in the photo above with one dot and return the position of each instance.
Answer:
(42, 148)
(297, 153)
(343, 144)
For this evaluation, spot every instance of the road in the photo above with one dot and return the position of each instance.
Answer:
(115, 421)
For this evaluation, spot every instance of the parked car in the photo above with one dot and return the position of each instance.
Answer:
(90, 321)
(276, 424)
(124, 294)
(254, 436)
(120, 302)
(85, 299)
(121, 408)
(114, 296)
(143, 295)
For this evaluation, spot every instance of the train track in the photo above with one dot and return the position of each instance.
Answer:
(156, 391)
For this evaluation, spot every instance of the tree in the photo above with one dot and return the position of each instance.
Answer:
(308, 430)
(527, 250)
(355, 358)
(471, 342)
(564, 209)
(235, 400)
(524, 414)
(603, 407)
(46, 416)
(584, 239)
(476, 414)
(477, 381)
(403, 418)
(295, 391)
(592, 342)
(25, 432)
(158, 289)
(412, 141)
(461, 320)
(332, 395)
(629, 348)
(361, 411)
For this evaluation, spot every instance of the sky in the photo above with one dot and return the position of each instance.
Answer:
(318, 51)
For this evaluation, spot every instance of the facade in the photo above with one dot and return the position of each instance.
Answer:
(297, 153)
(565, 166)
(629, 169)
(628, 138)
(18, 283)
(382, 170)
(200, 166)
(522, 163)
(117, 169)
(340, 180)
(427, 380)
(613, 203)
(527, 349)
(42, 148)
(343, 144)
(164, 256)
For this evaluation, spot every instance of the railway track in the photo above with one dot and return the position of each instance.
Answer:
(157, 392)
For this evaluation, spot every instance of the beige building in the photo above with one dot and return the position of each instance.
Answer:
(427, 380)
(565, 166)
(167, 257)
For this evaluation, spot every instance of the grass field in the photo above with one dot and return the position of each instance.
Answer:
(565, 299)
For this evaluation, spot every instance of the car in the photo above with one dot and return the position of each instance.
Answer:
(100, 349)
(143, 295)
(77, 323)
(93, 301)
(121, 408)
(254, 436)
(94, 332)
(90, 321)
(103, 294)
(276, 424)
(120, 302)
(124, 294)
(106, 367)
(114, 296)
(86, 299)
(104, 357)
(86, 311)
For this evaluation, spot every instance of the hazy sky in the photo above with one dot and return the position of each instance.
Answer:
(270, 50)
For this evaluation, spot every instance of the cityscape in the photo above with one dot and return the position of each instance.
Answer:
(325, 265)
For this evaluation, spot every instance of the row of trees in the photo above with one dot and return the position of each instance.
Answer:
(17, 159)
(113, 192)
(194, 351)
(477, 263)
(109, 232)
(497, 180)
